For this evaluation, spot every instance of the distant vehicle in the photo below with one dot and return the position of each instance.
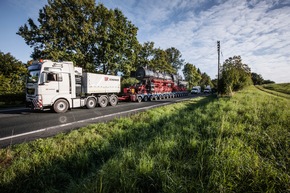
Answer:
(195, 90)
(207, 89)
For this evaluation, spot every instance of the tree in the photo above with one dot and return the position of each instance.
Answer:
(257, 78)
(191, 75)
(12, 74)
(159, 60)
(66, 32)
(146, 53)
(174, 58)
(90, 35)
(118, 42)
(199, 72)
(268, 82)
(160, 63)
(234, 75)
(205, 79)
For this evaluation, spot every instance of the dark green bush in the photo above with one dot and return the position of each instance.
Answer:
(12, 99)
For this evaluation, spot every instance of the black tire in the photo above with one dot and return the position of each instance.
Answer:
(139, 99)
(113, 100)
(91, 103)
(151, 98)
(145, 98)
(103, 101)
(60, 106)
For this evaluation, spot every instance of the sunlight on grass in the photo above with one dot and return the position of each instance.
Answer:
(238, 144)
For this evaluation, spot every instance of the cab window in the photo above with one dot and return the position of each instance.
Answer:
(54, 77)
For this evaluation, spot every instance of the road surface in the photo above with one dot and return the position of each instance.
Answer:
(22, 124)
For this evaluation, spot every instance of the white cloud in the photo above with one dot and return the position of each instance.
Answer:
(258, 30)
(258, 33)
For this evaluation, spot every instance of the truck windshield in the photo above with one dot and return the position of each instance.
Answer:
(33, 76)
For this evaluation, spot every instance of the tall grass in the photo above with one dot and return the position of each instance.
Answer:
(272, 91)
(282, 87)
(238, 144)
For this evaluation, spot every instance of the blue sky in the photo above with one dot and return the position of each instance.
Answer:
(257, 30)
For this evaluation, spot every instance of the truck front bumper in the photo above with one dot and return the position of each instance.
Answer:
(34, 103)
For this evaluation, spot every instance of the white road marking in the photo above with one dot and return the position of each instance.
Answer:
(81, 121)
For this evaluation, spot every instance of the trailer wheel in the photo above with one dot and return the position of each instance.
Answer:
(91, 103)
(103, 101)
(139, 99)
(145, 98)
(113, 100)
(60, 106)
(151, 98)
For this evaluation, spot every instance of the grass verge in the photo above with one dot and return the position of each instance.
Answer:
(282, 87)
(272, 91)
(238, 144)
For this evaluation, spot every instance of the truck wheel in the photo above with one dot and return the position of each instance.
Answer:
(113, 100)
(91, 103)
(145, 98)
(60, 106)
(151, 98)
(103, 101)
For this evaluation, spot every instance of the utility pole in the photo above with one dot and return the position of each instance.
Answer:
(218, 81)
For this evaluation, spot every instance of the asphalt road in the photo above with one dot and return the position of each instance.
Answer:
(21, 124)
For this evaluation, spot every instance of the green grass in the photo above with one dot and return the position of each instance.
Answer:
(238, 144)
(283, 87)
(283, 92)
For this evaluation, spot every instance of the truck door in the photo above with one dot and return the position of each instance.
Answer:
(64, 85)
(49, 87)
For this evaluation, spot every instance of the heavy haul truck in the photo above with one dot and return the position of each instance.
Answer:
(61, 86)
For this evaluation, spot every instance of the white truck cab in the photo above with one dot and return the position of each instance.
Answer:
(61, 86)
(195, 90)
(207, 89)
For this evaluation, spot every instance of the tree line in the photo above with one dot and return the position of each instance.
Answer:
(99, 40)
(103, 40)
(236, 75)
(95, 38)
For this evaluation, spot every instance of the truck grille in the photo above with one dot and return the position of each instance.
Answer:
(30, 91)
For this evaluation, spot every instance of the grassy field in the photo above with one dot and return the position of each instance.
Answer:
(283, 87)
(282, 90)
(238, 144)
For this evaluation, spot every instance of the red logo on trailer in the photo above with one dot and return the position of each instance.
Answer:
(106, 78)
